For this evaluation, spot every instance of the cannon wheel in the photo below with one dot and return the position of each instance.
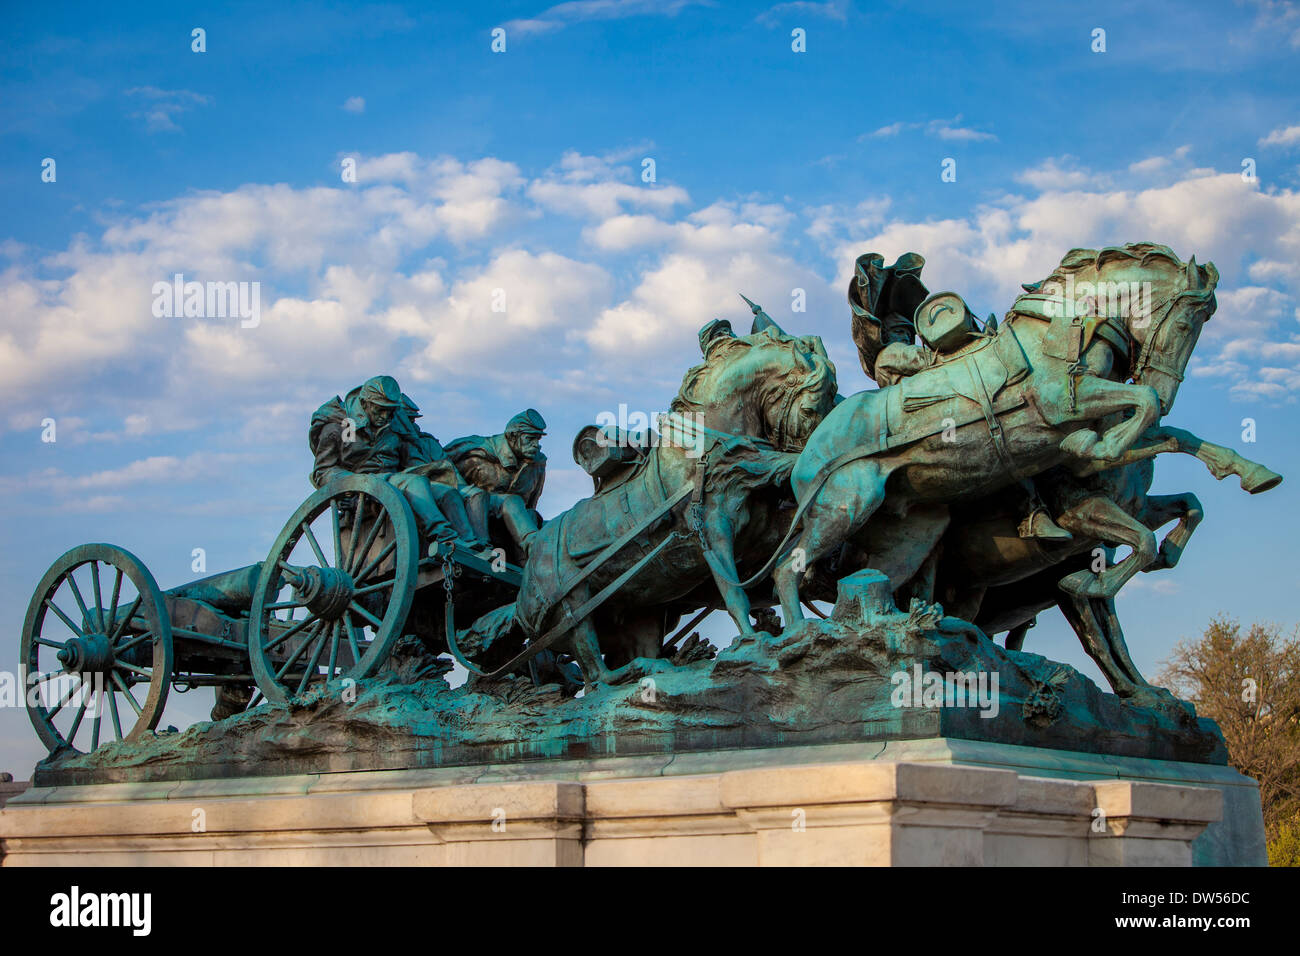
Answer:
(349, 558)
(82, 658)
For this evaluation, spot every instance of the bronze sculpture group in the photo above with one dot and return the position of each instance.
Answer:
(994, 471)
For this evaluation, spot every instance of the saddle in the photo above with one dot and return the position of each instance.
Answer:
(978, 381)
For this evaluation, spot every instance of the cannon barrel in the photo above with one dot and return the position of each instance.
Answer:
(230, 591)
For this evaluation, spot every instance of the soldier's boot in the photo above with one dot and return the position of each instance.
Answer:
(1039, 524)
(452, 510)
(432, 525)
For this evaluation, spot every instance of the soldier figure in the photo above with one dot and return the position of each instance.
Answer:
(511, 468)
(884, 301)
(372, 431)
(714, 331)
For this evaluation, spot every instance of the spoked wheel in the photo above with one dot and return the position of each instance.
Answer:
(96, 650)
(336, 588)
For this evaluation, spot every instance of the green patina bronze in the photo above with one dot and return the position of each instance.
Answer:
(962, 498)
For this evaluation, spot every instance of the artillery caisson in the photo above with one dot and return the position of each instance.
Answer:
(347, 576)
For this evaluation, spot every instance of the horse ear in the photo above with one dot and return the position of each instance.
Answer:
(1193, 274)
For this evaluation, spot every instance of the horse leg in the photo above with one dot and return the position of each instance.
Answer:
(918, 555)
(1160, 509)
(966, 602)
(1097, 398)
(1218, 459)
(1104, 612)
(1100, 519)
(719, 554)
(1081, 615)
(1222, 461)
(1016, 636)
(839, 508)
(1098, 627)
(584, 645)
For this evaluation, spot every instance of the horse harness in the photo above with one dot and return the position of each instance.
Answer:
(694, 489)
(1068, 339)
(1070, 335)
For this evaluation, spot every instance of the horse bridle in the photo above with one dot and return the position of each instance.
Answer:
(1145, 358)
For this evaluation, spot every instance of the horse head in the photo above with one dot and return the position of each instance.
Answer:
(770, 385)
(1152, 302)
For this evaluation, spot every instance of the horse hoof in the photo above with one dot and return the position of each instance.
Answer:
(792, 629)
(1258, 479)
(1160, 699)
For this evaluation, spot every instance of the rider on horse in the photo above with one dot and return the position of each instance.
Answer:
(885, 301)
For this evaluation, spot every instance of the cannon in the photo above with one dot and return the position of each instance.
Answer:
(347, 576)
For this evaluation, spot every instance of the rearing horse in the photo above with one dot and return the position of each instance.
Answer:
(1005, 407)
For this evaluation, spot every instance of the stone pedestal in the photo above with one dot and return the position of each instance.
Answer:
(10, 789)
(781, 806)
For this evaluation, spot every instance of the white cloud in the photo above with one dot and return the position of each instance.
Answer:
(1253, 234)
(946, 129)
(1282, 136)
(831, 10)
(582, 11)
(399, 270)
(1060, 173)
(160, 107)
(604, 199)
(354, 104)
(893, 129)
(710, 257)
(541, 297)
(1152, 584)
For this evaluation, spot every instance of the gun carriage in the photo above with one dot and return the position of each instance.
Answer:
(102, 645)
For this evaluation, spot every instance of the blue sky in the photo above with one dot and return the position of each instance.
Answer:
(522, 171)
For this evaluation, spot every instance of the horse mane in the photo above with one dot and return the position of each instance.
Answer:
(1078, 261)
(808, 370)
(698, 377)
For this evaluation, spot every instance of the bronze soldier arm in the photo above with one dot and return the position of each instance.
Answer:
(329, 456)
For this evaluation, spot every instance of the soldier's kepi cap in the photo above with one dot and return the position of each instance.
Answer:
(382, 390)
(711, 330)
(529, 422)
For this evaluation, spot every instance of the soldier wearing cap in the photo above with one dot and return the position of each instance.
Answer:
(511, 468)
(712, 331)
(372, 431)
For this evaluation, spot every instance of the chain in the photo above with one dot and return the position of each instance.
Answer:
(449, 572)
(695, 513)
(1073, 372)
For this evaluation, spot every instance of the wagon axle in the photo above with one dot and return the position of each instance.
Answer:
(89, 653)
(326, 592)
